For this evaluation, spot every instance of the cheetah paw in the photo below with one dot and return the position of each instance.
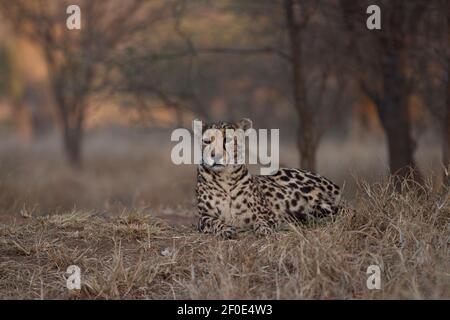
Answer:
(228, 233)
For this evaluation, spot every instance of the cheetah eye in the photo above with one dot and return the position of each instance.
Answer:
(206, 141)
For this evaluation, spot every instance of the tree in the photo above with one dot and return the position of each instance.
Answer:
(383, 72)
(315, 83)
(314, 112)
(433, 54)
(79, 61)
(296, 21)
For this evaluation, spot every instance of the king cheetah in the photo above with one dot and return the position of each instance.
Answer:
(231, 200)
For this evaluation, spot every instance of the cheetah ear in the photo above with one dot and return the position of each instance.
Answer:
(245, 123)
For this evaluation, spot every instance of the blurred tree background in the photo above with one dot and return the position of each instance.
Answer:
(308, 67)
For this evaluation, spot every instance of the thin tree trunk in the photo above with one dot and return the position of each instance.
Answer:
(72, 138)
(305, 136)
(400, 144)
(308, 151)
(72, 120)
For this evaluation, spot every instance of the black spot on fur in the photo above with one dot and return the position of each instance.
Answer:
(289, 173)
(310, 176)
(306, 189)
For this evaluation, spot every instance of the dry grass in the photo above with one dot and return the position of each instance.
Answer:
(126, 221)
(135, 255)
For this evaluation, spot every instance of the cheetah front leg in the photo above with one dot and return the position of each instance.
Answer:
(211, 224)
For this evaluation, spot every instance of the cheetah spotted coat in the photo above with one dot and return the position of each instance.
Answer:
(232, 199)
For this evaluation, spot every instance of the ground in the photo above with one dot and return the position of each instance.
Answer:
(136, 255)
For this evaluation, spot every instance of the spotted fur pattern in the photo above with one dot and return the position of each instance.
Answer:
(230, 199)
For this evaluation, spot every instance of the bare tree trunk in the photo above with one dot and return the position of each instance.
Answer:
(308, 151)
(400, 145)
(394, 115)
(71, 117)
(305, 136)
(306, 141)
(72, 139)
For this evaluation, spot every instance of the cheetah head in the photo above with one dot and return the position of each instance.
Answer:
(222, 144)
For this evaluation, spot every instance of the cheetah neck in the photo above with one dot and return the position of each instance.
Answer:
(228, 179)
